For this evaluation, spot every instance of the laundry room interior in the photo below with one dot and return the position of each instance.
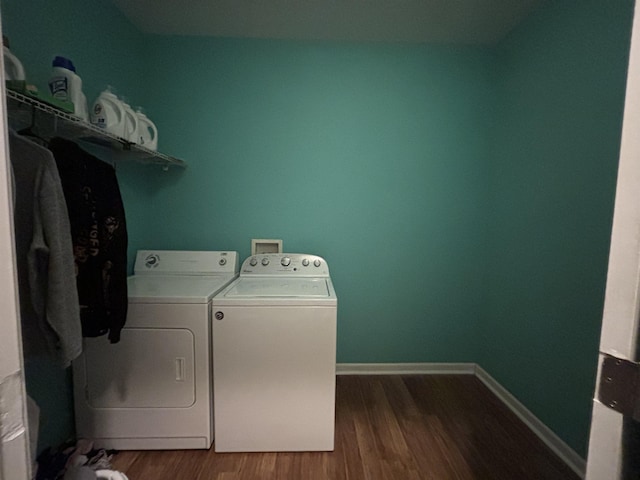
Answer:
(461, 193)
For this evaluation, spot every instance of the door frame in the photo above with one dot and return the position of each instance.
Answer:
(622, 298)
(15, 461)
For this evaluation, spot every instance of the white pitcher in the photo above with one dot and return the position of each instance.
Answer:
(147, 132)
(108, 113)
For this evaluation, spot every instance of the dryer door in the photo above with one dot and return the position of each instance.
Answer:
(147, 368)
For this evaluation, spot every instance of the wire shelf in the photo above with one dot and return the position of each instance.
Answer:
(49, 122)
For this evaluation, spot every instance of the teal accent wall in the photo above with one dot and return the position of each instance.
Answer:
(371, 156)
(461, 195)
(105, 49)
(561, 79)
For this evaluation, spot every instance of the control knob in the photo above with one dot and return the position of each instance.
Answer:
(253, 262)
(265, 261)
(316, 262)
(285, 262)
(305, 262)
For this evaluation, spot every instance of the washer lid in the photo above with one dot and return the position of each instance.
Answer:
(175, 288)
(279, 287)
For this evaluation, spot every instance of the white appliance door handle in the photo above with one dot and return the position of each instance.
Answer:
(180, 369)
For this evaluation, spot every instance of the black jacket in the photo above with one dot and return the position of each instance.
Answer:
(99, 236)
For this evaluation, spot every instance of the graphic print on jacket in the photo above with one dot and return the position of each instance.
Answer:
(99, 235)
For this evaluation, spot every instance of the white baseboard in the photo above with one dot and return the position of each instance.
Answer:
(405, 368)
(555, 443)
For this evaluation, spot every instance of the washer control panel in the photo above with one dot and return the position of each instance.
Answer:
(292, 264)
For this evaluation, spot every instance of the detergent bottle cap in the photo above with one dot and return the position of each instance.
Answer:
(63, 63)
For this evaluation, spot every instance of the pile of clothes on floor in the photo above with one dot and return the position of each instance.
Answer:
(77, 461)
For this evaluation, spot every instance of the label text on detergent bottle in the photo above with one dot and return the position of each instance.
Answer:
(59, 87)
(98, 119)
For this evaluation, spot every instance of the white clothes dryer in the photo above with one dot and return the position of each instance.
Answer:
(274, 356)
(153, 389)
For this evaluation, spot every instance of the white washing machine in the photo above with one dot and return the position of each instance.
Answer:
(274, 356)
(153, 389)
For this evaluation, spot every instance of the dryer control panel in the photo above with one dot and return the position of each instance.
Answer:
(290, 264)
(176, 262)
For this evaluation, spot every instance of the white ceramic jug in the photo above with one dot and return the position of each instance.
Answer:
(108, 113)
(130, 124)
(147, 132)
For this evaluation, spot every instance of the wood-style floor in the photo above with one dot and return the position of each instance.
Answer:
(406, 427)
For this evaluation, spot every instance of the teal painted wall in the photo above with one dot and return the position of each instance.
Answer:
(561, 78)
(371, 156)
(105, 49)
